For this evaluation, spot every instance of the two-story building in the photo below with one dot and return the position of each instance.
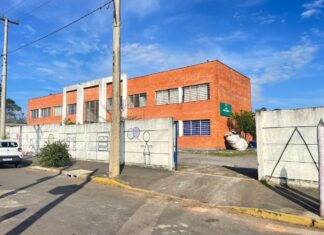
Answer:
(199, 98)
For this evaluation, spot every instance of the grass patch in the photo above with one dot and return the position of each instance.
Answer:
(233, 153)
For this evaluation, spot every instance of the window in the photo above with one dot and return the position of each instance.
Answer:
(137, 100)
(196, 93)
(35, 113)
(110, 104)
(196, 128)
(58, 111)
(71, 109)
(91, 111)
(170, 96)
(46, 112)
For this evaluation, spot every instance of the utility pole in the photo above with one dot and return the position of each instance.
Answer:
(114, 165)
(4, 77)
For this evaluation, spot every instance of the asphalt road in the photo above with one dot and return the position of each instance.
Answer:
(33, 202)
(190, 159)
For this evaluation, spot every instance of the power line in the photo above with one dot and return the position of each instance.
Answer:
(14, 6)
(61, 28)
(34, 9)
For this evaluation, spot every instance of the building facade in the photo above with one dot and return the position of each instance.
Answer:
(199, 98)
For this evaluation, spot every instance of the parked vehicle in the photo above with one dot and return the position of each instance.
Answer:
(10, 153)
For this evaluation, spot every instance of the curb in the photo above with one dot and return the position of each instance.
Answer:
(256, 212)
(40, 168)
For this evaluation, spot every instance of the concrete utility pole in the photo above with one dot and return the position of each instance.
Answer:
(114, 165)
(4, 77)
(320, 142)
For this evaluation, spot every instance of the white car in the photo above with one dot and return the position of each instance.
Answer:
(10, 153)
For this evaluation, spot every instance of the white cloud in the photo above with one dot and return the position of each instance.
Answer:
(141, 7)
(46, 70)
(235, 36)
(309, 13)
(313, 8)
(260, 17)
(315, 4)
(263, 66)
(30, 29)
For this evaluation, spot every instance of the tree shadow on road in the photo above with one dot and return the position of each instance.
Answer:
(302, 199)
(11, 214)
(31, 185)
(65, 192)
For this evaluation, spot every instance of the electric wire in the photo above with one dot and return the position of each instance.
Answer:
(59, 29)
(34, 9)
(14, 6)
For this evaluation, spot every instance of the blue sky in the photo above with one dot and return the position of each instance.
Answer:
(277, 43)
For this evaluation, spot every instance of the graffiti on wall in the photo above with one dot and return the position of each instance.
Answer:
(133, 133)
(146, 148)
(102, 142)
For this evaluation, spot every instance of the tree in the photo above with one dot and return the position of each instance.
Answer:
(14, 111)
(243, 122)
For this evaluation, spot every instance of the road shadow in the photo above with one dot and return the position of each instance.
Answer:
(41, 180)
(65, 192)
(23, 163)
(11, 214)
(249, 172)
(302, 199)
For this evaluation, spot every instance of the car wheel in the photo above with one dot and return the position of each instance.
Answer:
(16, 165)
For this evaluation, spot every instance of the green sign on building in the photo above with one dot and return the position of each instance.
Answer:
(225, 109)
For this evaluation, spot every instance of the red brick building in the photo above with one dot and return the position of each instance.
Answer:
(199, 98)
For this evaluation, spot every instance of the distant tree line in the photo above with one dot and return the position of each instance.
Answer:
(15, 114)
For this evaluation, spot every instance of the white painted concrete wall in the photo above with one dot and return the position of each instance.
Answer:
(274, 130)
(145, 142)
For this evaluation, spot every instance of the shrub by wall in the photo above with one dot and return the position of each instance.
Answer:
(54, 155)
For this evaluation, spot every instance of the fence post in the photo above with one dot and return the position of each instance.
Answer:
(320, 142)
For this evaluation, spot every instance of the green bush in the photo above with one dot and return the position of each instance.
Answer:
(54, 155)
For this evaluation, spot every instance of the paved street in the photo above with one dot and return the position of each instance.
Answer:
(191, 159)
(33, 202)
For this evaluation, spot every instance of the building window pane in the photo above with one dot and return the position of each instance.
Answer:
(196, 93)
(71, 109)
(58, 111)
(137, 100)
(196, 128)
(91, 111)
(173, 96)
(142, 100)
(110, 104)
(45, 112)
(35, 113)
(170, 96)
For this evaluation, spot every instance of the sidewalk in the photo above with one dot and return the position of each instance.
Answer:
(222, 186)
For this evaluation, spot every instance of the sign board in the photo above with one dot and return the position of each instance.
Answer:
(225, 109)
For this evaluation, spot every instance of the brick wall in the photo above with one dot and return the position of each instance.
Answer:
(44, 102)
(226, 85)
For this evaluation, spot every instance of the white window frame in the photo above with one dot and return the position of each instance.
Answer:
(57, 111)
(196, 127)
(195, 93)
(69, 110)
(166, 96)
(132, 100)
(46, 112)
(34, 111)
